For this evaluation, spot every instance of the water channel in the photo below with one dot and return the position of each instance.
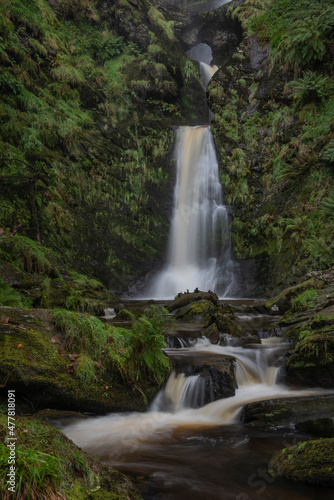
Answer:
(182, 449)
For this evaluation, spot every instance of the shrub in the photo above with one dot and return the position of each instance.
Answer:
(311, 87)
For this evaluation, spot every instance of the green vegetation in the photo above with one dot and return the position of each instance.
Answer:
(275, 137)
(9, 296)
(136, 353)
(42, 475)
(310, 462)
(82, 148)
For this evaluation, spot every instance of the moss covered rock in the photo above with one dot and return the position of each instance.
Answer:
(197, 312)
(34, 362)
(311, 462)
(283, 302)
(51, 466)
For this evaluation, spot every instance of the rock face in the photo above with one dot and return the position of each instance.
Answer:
(301, 413)
(310, 462)
(309, 325)
(219, 379)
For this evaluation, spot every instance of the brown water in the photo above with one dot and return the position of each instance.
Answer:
(177, 451)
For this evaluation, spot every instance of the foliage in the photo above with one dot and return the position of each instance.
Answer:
(50, 467)
(136, 353)
(304, 300)
(26, 254)
(71, 150)
(311, 87)
(9, 296)
(37, 473)
(299, 32)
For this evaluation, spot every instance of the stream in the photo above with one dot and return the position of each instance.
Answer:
(181, 449)
(185, 447)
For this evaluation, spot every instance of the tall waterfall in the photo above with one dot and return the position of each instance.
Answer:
(199, 242)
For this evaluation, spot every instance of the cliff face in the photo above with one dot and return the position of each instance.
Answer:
(91, 92)
(273, 127)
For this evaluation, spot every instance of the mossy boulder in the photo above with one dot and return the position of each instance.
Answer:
(310, 462)
(34, 362)
(49, 460)
(227, 325)
(183, 299)
(65, 288)
(212, 333)
(198, 312)
(286, 412)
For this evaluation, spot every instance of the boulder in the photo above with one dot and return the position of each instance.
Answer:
(310, 462)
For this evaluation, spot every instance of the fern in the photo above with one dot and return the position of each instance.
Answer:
(328, 152)
(9, 296)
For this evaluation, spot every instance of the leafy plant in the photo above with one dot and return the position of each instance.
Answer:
(304, 300)
(9, 296)
(38, 474)
(136, 353)
(311, 87)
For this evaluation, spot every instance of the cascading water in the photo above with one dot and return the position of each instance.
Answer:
(188, 449)
(199, 244)
(178, 406)
(199, 254)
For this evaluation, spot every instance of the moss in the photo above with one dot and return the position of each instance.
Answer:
(197, 312)
(311, 462)
(36, 365)
(79, 476)
(283, 300)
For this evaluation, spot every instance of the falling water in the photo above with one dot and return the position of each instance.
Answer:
(180, 405)
(199, 242)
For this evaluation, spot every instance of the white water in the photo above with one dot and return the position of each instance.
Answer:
(199, 242)
(117, 435)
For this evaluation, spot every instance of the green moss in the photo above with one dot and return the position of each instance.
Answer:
(48, 462)
(310, 462)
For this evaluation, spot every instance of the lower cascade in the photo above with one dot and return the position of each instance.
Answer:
(152, 443)
(199, 242)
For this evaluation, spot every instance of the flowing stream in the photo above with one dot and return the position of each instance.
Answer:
(184, 449)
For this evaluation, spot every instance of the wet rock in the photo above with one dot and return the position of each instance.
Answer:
(219, 380)
(321, 427)
(287, 412)
(184, 299)
(218, 376)
(213, 334)
(199, 312)
(228, 326)
(310, 462)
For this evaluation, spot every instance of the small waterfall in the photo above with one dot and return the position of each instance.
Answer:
(207, 73)
(180, 393)
(199, 243)
(179, 406)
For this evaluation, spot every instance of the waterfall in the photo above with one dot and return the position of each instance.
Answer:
(180, 405)
(199, 242)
